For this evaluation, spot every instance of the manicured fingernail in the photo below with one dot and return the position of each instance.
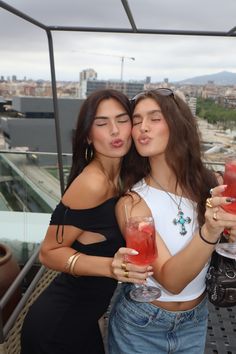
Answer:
(150, 274)
(230, 200)
(134, 252)
(149, 268)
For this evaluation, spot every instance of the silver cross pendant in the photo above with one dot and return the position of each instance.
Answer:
(181, 220)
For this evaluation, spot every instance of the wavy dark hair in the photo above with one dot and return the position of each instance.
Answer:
(85, 120)
(183, 152)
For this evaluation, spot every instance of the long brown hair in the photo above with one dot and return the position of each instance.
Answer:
(87, 113)
(183, 152)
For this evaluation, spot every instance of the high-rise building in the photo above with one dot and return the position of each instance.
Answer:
(85, 75)
(88, 74)
(128, 88)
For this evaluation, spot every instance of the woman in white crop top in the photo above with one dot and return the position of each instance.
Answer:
(166, 177)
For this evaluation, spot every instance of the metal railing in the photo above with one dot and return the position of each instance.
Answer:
(4, 329)
(28, 152)
(215, 165)
(18, 172)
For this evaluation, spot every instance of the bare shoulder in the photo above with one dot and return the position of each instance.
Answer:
(88, 190)
(127, 201)
(130, 204)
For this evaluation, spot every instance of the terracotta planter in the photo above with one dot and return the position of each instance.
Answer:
(9, 269)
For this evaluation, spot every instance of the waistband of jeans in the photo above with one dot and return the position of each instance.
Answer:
(149, 308)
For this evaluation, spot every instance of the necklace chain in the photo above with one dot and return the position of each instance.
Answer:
(180, 219)
(180, 201)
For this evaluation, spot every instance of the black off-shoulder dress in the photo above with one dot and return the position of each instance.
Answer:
(64, 318)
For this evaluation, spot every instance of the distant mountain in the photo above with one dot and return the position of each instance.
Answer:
(221, 78)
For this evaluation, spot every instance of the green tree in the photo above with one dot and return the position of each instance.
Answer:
(215, 113)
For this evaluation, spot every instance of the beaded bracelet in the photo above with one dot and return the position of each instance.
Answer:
(203, 238)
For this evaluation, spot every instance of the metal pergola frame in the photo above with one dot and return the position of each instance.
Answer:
(134, 29)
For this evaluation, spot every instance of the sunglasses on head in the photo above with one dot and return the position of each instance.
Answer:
(162, 91)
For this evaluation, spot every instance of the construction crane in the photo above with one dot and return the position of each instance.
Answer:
(122, 58)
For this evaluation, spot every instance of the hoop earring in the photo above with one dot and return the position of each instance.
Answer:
(89, 153)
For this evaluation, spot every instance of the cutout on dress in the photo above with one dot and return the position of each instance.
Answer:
(87, 238)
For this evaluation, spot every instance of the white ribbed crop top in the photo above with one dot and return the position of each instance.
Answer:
(164, 211)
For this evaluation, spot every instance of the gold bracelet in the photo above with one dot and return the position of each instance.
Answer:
(70, 260)
(71, 271)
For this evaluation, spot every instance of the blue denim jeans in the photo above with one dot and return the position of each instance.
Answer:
(142, 328)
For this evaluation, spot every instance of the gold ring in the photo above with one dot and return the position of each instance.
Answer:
(126, 273)
(208, 203)
(124, 266)
(215, 216)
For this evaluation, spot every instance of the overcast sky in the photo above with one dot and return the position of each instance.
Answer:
(24, 50)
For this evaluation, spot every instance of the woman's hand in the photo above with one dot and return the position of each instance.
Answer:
(229, 235)
(216, 218)
(125, 271)
(232, 235)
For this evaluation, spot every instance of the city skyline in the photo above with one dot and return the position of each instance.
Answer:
(24, 49)
(225, 78)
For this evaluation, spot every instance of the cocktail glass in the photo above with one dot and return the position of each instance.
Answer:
(229, 249)
(140, 235)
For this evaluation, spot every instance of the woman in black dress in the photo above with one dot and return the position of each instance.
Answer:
(83, 236)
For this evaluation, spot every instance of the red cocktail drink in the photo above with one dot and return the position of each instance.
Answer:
(141, 237)
(230, 180)
(229, 249)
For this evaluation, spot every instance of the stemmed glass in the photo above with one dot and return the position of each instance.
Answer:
(140, 235)
(229, 249)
